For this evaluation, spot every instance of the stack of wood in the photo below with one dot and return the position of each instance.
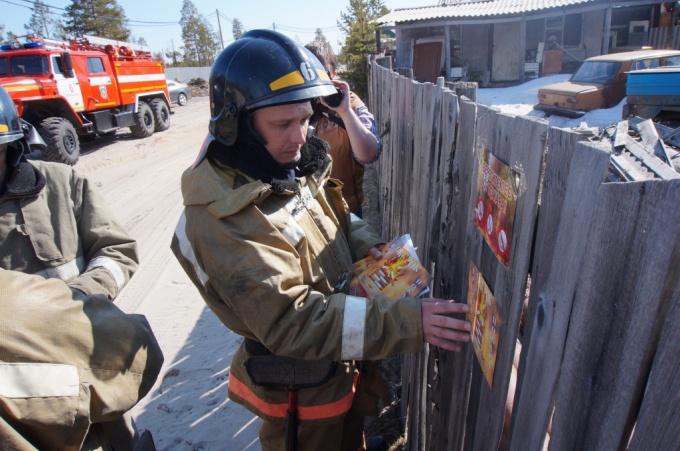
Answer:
(644, 150)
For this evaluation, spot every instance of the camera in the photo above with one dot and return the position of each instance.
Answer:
(334, 100)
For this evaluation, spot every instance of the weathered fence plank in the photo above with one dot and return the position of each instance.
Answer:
(520, 143)
(553, 289)
(626, 284)
(425, 167)
(658, 424)
(450, 277)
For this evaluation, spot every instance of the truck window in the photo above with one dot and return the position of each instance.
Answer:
(29, 65)
(56, 65)
(95, 66)
(645, 64)
(4, 67)
(670, 61)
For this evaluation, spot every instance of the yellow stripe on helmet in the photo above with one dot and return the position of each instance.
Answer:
(323, 75)
(291, 79)
(3, 128)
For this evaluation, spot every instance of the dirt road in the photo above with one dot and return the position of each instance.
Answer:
(140, 180)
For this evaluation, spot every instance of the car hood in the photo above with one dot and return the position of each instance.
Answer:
(570, 88)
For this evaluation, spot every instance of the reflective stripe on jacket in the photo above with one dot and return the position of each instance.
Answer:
(267, 263)
(67, 362)
(65, 231)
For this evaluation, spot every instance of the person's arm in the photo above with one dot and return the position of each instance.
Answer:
(110, 253)
(257, 285)
(67, 360)
(365, 144)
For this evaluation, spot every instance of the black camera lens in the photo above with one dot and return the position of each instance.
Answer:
(334, 100)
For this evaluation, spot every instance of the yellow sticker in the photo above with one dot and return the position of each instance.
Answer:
(291, 79)
(3, 128)
(323, 75)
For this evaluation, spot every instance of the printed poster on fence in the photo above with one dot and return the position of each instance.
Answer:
(495, 204)
(485, 321)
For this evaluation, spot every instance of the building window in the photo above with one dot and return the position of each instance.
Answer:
(573, 26)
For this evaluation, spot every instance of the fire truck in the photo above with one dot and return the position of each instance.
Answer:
(73, 91)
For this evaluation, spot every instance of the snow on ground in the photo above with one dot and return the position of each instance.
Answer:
(519, 100)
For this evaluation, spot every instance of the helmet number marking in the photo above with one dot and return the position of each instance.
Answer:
(308, 72)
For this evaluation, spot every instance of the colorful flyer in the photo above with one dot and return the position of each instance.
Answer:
(397, 274)
(495, 204)
(485, 321)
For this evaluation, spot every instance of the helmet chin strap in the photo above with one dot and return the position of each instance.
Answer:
(15, 151)
(247, 133)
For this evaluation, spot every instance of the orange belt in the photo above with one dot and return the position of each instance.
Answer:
(329, 410)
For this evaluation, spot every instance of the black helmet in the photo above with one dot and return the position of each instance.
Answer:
(262, 68)
(10, 126)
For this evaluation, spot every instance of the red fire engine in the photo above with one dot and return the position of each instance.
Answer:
(89, 86)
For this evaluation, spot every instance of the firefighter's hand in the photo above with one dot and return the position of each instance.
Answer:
(344, 106)
(375, 251)
(440, 329)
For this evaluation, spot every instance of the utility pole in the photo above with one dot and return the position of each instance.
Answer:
(219, 25)
(273, 26)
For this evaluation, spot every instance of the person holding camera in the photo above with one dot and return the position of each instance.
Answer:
(348, 128)
(269, 242)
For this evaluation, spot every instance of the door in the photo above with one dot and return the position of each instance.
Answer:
(427, 61)
(69, 88)
(505, 63)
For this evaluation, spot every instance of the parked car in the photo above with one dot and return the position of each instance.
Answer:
(179, 92)
(600, 82)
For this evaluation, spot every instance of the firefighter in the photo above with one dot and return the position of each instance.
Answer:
(268, 240)
(55, 225)
(69, 363)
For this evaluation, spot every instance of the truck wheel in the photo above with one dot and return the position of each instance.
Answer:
(161, 114)
(61, 139)
(144, 123)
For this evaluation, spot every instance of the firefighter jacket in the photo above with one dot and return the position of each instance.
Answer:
(270, 261)
(67, 360)
(54, 224)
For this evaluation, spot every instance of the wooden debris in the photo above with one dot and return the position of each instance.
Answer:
(644, 150)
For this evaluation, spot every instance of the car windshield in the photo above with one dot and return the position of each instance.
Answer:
(596, 71)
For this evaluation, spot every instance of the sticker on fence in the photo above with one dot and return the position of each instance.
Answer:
(485, 321)
(495, 204)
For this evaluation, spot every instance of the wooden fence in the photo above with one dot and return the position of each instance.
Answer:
(594, 364)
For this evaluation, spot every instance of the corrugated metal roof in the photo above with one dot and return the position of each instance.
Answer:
(475, 9)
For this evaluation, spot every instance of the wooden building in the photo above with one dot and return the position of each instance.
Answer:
(508, 41)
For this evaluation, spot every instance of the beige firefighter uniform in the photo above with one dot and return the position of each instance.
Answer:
(63, 229)
(67, 360)
(54, 224)
(267, 264)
